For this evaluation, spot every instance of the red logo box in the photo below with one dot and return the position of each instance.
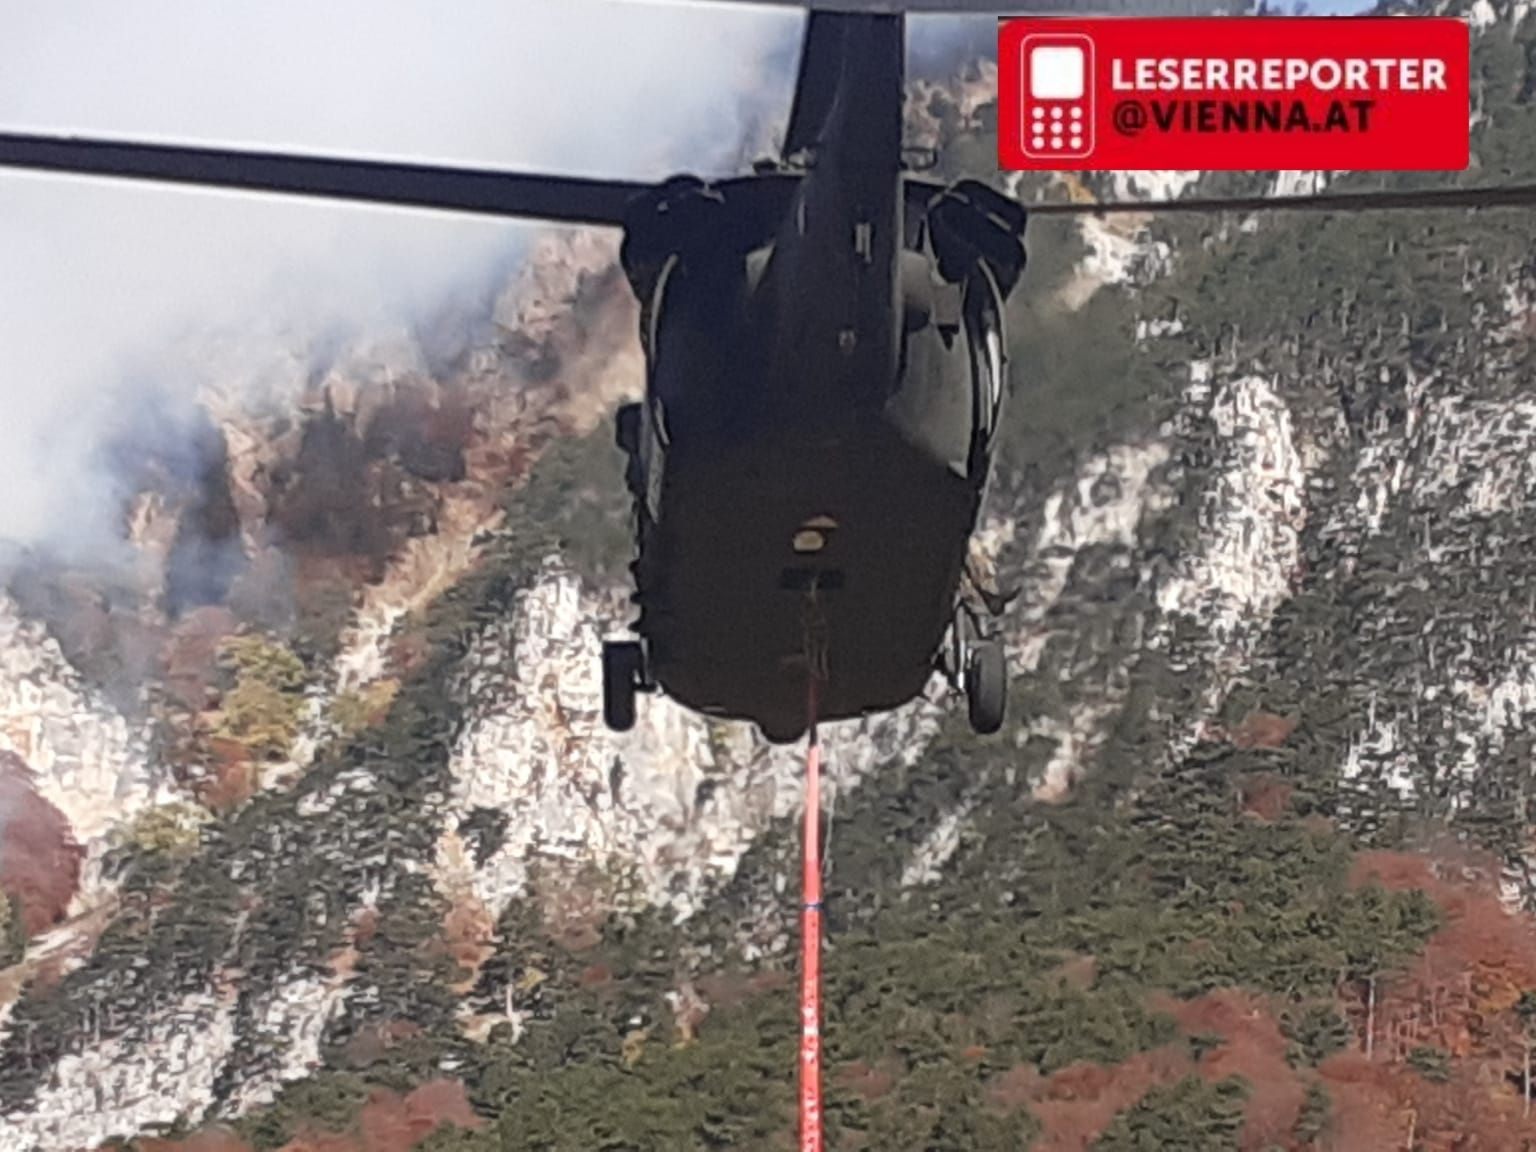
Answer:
(1235, 93)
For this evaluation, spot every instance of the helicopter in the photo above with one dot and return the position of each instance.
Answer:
(826, 377)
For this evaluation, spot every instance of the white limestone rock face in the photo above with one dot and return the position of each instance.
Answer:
(1293, 182)
(927, 863)
(1101, 509)
(672, 805)
(210, 1054)
(1241, 567)
(1102, 506)
(1119, 253)
(293, 1019)
(158, 1072)
(1462, 481)
(1153, 184)
(91, 763)
(1251, 517)
(167, 1066)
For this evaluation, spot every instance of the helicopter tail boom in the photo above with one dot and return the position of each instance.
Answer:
(843, 233)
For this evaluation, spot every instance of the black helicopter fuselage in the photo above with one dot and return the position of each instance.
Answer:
(825, 375)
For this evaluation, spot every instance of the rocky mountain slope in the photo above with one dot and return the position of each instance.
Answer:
(313, 836)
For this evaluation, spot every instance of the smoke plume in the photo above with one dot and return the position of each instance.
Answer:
(101, 281)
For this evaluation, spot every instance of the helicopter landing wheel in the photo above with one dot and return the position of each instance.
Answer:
(623, 678)
(986, 686)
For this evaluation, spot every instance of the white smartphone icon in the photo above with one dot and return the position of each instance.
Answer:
(1058, 97)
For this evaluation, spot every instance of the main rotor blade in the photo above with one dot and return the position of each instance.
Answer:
(560, 199)
(1423, 199)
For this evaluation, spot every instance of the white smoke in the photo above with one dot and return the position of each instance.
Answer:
(98, 277)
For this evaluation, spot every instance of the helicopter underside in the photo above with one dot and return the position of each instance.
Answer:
(763, 467)
(723, 575)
